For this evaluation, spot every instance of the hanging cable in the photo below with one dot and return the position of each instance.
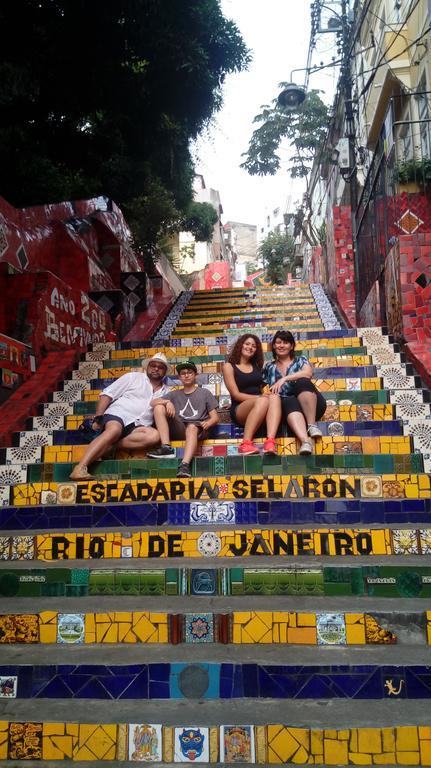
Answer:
(382, 57)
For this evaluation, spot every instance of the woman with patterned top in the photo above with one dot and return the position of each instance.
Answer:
(290, 378)
(250, 408)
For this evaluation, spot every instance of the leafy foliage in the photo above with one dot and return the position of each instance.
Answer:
(104, 97)
(277, 252)
(415, 170)
(199, 220)
(305, 127)
(252, 267)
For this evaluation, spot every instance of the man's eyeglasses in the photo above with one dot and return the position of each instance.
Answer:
(160, 366)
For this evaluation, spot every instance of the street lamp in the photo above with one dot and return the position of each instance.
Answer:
(291, 97)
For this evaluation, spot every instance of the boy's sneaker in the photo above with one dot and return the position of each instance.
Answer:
(270, 446)
(306, 448)
(184, 470)
(162, 452)
(314, 431)
(247, 447)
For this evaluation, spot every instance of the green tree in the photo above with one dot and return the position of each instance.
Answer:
(277, 252)
(104, 97)
(305, 127)
(252, 267)
(199, 219)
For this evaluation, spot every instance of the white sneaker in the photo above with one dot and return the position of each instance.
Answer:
(314, 431)
(306, 448)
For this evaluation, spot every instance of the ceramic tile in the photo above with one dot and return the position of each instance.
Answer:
(8, 686)
(203, 582)
(199, 627)
(71, 628)
(237, 744)
(191, 744)
(25, 741)
(145, 742)
(331, 629)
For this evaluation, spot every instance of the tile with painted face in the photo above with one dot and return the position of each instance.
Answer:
(191, 744)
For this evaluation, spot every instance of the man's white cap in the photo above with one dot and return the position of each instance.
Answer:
(160, 357)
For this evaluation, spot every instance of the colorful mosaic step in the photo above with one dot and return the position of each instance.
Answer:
(234, 543)
(355, 359)
(336, 445)
(236, 627)
(282, 486)
(338, 377)
(367, 581)
(70, 416)
(266, 744)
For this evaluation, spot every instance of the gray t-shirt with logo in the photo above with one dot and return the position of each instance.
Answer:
(193, 407)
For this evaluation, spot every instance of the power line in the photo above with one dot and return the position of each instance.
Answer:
(381, 62)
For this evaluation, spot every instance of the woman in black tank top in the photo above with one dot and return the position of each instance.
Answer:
(250, 408)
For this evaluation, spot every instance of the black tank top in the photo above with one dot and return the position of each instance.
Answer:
(248, 383)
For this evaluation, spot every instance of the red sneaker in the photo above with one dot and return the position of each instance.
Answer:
(247, 448)
(270, 446)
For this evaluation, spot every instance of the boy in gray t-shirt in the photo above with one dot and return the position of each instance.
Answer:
(183, 414)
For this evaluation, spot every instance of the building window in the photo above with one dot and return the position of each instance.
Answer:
(405, 139)
(424, 116)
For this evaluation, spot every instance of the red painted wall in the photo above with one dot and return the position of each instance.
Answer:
(217, 275)
(51, 315)
(340, 262)
(66, 250)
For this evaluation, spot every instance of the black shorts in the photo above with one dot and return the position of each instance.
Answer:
(126, 430)
(177, 428)
(290, 403)
(232, 413)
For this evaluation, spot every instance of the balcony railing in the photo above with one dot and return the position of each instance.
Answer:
(396, 196)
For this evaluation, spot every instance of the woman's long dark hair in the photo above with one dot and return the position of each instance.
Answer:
(235, 353)
(284, 336)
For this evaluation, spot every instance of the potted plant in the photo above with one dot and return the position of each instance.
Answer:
(413, 175)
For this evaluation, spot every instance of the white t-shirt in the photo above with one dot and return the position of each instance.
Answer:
(131, 395)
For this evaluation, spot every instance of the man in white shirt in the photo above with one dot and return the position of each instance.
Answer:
(124, 412)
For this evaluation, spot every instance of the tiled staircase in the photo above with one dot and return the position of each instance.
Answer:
(246, 615)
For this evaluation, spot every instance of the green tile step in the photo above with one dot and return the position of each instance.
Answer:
(376, 581)
(237, 465)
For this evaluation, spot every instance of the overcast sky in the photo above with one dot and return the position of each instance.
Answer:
(277, 31)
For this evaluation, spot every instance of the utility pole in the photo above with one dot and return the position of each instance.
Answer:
(346, 84)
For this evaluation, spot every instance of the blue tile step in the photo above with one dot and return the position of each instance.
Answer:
(161, 681)
(300, 512)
